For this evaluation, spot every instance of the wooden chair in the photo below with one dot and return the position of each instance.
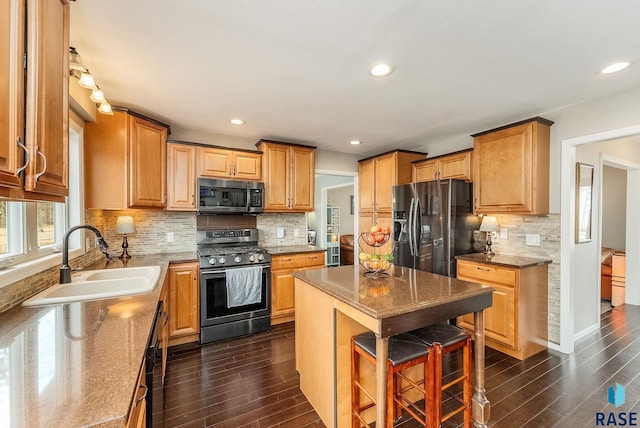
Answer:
(443, 339)
(404, 352)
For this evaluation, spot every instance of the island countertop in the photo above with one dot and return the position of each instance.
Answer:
(405, 292)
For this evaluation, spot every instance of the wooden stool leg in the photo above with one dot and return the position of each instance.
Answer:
(355, 391)
(437, 383)
(467, 383)
(392, 382)
(429, 390)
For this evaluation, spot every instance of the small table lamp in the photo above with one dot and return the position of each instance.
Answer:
(125, 225)
(489, 225)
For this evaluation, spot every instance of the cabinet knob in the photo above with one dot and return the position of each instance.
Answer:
(26, 156)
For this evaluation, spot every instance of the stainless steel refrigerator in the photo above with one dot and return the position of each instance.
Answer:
(432, 223)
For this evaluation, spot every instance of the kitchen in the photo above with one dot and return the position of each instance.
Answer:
(609, 113)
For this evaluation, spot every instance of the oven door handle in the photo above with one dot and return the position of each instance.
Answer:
(206, 272)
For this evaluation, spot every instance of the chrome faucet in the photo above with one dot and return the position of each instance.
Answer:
(65, 269)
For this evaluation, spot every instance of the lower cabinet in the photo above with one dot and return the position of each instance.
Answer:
(282, 282)
(138, 413)
(516, 323)
(184, 301)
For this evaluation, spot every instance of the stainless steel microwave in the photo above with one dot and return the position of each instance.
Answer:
(230, 196)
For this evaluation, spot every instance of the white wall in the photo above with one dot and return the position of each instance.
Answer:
(336, 161)
(614, 207)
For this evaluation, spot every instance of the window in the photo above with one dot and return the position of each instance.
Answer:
(32, 230)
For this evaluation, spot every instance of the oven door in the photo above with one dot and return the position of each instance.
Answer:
(213, 299)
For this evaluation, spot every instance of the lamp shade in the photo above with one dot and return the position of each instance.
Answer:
(125, 224)
(489, 224)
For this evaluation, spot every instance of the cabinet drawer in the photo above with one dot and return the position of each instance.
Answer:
(478, 272)
(293, 261)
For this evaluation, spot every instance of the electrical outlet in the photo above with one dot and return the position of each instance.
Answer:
(87, 244)
(170, 237)
(504, 233)
(280, 232)
(495, 237)
(532, 239)
(296, 233)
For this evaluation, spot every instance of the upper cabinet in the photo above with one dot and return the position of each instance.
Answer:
(456, 165)
(125, 162)
(511, 168)
(377, 176)
(38, 38)
(231, 164)
(289, 176)
(181, 177)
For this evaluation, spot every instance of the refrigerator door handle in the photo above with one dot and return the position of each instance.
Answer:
(418, 227)
(411, 228)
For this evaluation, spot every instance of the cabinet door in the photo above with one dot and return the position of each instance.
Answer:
(11, 91)
(247, 166)
(302, 187)
(282, 293)
(277, 177)
(455, 166)
(214, 163)
(503, 170)
(47, 102)
(181, 177)
(366, 183)
(425, 171)
(499, 321)
(385, 179)
(147, 164)
(183, 300)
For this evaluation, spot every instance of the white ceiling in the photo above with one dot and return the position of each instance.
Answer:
(297, 70)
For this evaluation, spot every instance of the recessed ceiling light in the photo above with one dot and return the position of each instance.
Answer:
(237, 121)
(380, 69)
(615, 67)
(355, 142)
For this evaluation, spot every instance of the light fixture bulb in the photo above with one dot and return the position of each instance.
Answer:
(105, 108)
(616, 67)
(380, 69)
(97, 96)
(237, 121)
(355, 142)
(87, 81)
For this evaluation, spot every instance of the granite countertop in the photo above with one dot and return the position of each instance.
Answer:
(77, 364)
(404, 291)
(503, 260)
(293, 249)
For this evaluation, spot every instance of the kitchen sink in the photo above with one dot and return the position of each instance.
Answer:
(99, 284)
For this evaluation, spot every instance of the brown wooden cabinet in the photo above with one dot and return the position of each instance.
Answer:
(34, 123)
(125, 162)
(138, 413)
(511, 168)
(289, 176)
(233, 164)
(181, 177)
(282, 282)
(457, 165)
(184, 303)
(377, 175)
(516, 323)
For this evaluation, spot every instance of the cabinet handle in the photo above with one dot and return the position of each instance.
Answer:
(44, 161)
(26, 156)
(143, 396)
(483, 269)
(312, 257)
(285, 260)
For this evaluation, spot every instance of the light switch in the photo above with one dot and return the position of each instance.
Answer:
(170, 237)
(532, 239)
(280, 232)
(296, 233)
(504, 233)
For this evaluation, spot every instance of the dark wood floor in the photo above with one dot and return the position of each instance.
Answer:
(252, 382)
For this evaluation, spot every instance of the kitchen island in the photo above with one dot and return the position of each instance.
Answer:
(334, 304)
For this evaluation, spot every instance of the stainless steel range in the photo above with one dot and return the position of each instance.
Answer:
(235, 284)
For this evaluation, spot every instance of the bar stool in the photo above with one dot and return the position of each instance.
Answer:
(443, 339)
(404, 352)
